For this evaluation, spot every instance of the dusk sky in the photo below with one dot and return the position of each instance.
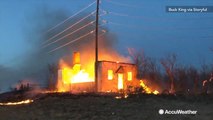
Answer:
(139, 24)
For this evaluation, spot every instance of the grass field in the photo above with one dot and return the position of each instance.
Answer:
(93, 107)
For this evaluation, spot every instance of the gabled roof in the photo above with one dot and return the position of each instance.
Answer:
(120, 70)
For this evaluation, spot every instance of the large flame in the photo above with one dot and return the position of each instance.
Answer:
(147, 89)
(17, 103)
(71, 75)
(83, 72)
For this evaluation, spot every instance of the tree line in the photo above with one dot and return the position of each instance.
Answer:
(171, 76)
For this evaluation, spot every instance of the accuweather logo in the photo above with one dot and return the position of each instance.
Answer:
(177, 112)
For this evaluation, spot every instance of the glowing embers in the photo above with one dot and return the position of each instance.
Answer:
(110, 74)
(17, 103)
(120, 81)
(155, 92)
(147, 89)
(129, 76)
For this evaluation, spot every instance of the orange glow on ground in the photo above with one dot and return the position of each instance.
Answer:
(17, 103)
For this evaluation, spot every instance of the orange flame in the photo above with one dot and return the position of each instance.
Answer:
(147, 89)
(17, 103)
(68, 76)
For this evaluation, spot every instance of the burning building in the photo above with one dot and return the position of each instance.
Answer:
(74, 78)
(112, 77)
(116, 76)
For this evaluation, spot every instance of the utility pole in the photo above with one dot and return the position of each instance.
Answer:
(96, 47)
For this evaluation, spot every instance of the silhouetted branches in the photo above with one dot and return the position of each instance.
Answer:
(180, 78)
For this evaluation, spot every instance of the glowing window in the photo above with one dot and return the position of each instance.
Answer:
(110, 74)
(129, 76)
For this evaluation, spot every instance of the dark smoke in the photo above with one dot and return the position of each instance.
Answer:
(34, 64)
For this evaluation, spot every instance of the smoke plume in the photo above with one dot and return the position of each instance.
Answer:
(34, 65)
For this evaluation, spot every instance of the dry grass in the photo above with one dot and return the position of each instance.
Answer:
(91, 107)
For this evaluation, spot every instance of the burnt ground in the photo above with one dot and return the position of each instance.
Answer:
(103, 107)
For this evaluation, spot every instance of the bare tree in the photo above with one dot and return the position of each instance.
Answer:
(193, 76)
(169, 65)
(204, 72)
(147, 67)
(139, 60)
(180, 77)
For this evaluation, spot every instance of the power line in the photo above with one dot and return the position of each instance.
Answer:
(104, 32)
(120, 14)
(100, 25)
(150, 18)
(71, 16)
(130, 26)
(118, 24)
(121, 4)
(69, 27)
(123, 15)
(71, 41)
(155, 28)
(69, 34)
(21, 56)
(102, 14)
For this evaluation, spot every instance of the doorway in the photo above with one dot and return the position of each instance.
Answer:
(120, 81)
